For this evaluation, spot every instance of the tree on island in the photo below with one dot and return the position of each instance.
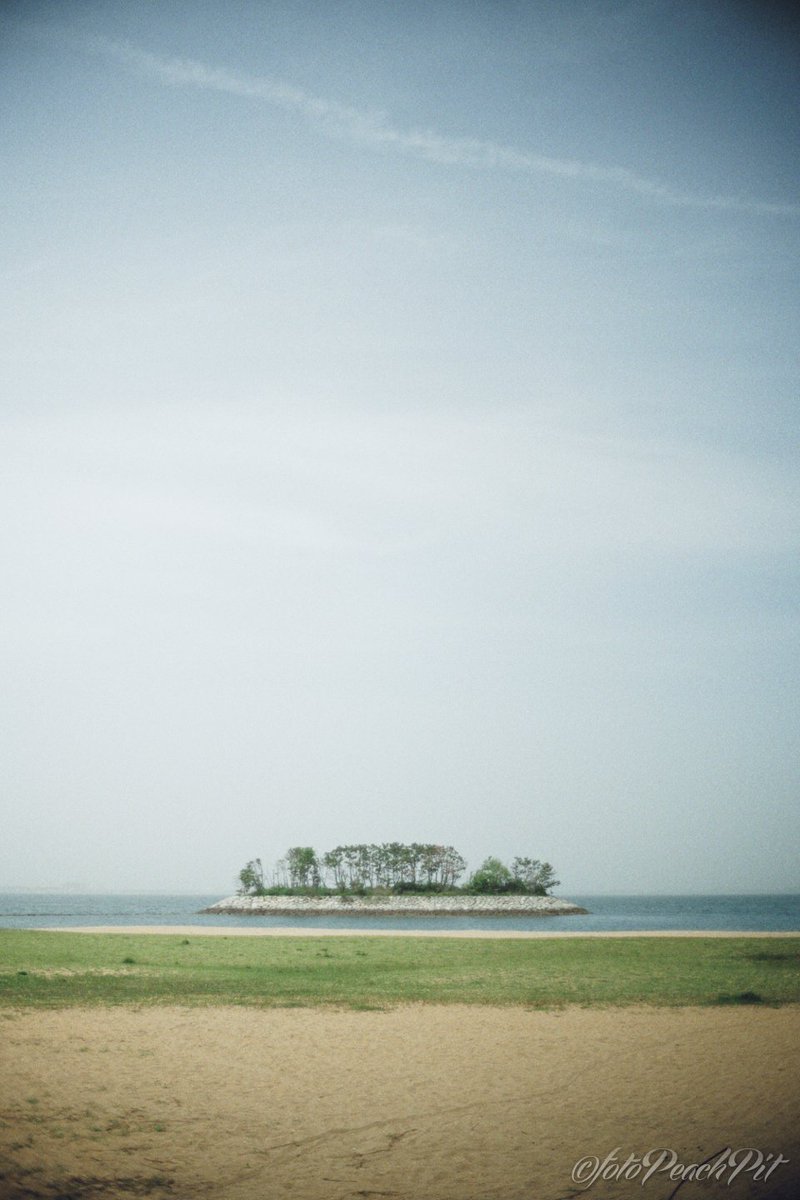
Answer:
(526, 875)
(251, 878)
(492, 876)
(303, 867)
(393, 867)
(537, 877)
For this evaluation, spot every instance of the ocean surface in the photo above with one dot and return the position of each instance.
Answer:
(606, 914)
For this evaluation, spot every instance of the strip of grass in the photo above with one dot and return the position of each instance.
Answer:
(59, 969)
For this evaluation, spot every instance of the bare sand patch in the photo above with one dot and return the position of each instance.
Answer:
(417, 1103)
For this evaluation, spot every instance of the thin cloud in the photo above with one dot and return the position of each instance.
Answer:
(372, 129)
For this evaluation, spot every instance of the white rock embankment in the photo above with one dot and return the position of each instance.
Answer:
(385, 906)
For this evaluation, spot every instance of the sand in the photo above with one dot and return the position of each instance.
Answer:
(416, 1102)
(370, 931)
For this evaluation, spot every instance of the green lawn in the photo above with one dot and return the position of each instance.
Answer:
(55, 969)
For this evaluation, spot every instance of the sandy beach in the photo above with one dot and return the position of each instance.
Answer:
(416, 1103)
(339, 931)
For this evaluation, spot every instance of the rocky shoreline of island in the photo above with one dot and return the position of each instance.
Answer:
(435, 905)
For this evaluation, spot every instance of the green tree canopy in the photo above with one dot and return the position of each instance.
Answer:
(419, 866)
(537, 877)
(251, 877)
(491, 876)
(304, 867)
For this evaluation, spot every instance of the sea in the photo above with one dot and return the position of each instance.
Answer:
(606, 914)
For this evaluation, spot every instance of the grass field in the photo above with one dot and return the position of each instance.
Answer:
(59, 969)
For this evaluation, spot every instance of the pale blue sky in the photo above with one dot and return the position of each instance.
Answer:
(399, 431)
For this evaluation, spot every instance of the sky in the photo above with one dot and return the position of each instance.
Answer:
(399, 438)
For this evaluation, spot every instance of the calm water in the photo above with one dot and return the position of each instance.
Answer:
(606, 913)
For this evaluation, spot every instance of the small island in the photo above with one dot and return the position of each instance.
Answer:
(394, 879)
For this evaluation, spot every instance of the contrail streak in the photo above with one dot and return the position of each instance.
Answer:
(372, 129)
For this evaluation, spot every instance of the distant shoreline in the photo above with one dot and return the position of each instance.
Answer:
(321, 931)
(421, 905)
